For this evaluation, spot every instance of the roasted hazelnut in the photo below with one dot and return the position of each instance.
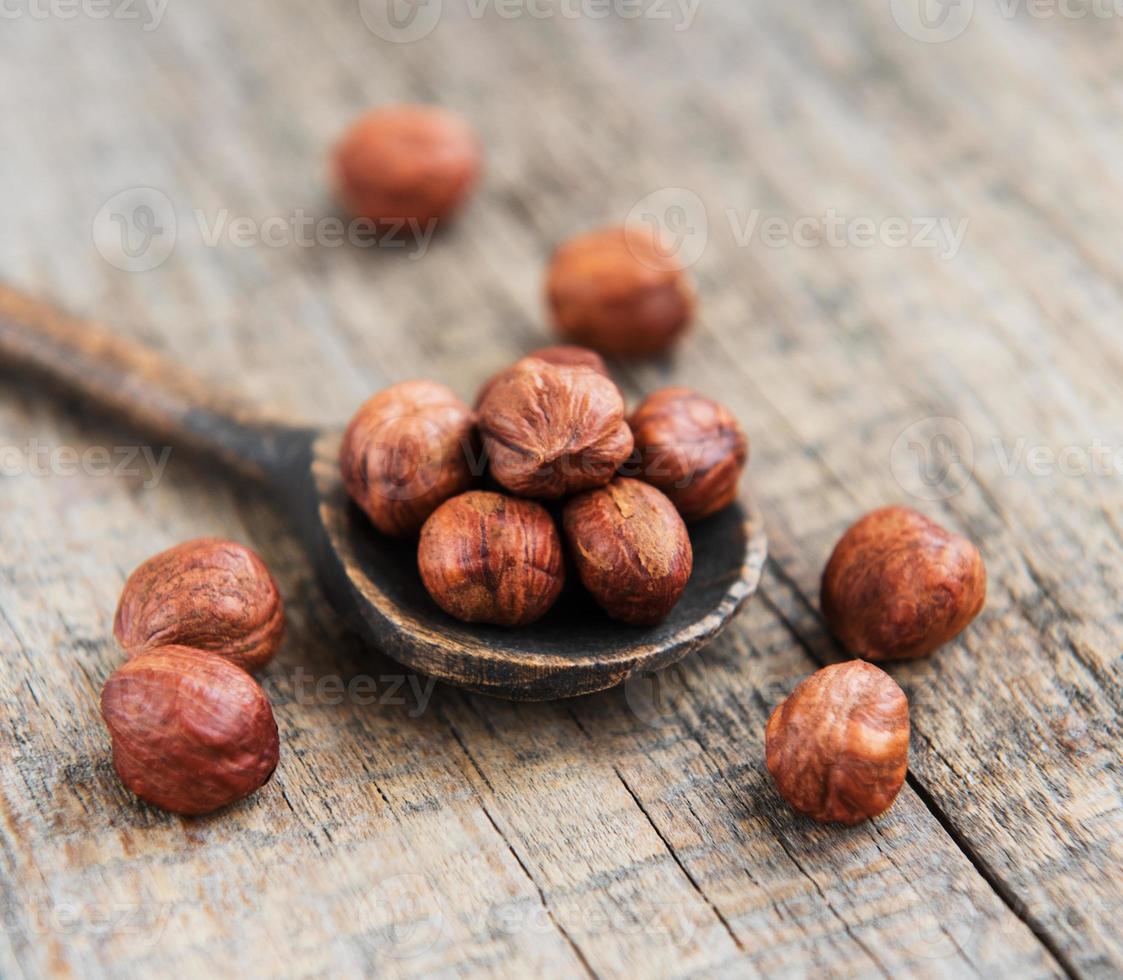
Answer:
(406, 162)
(691, 448)
(630, 548)
(553, 429)
(191, 732)
(487, 558)
(898, 586)
(209, 594)
(838, 747)
(407, 450)
(562, 354)
(619, 291)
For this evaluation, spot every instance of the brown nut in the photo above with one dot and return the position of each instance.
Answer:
(691, 448)
(898, 586)
(553, 429)
(619, 291)
(487, 558)
(631, 549)
(406, 163)
(838, 747)
(209, 594)
(191, 732)
(561, 354)
(407, 450)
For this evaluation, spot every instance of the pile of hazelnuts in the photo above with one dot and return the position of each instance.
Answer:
(550, 431)
(192, 731)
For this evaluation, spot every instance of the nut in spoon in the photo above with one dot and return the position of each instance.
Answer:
(574, 650)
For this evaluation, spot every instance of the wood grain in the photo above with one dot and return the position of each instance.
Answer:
(633, 832)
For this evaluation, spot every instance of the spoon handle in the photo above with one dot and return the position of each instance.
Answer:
(80, 358)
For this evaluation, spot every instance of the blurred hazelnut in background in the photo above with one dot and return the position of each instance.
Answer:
(619, 291)
(406, 162)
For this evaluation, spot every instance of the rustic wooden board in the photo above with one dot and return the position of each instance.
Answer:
(412, 830)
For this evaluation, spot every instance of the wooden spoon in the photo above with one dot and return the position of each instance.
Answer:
(574, 650)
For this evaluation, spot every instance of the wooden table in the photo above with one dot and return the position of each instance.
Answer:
(415, 830)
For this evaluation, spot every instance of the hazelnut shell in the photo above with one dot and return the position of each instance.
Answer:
(898, 586)
(407, 450)
(488, 558)
(838, 747)
(562, 354)
(630, 548)
(618, 291)
(691, 448)
(191, 732)
(550, 430)
(406, 162)
(209, 594)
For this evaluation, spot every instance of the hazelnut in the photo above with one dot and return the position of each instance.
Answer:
(208, 594)
(691, 448)
(898, 586)
(407, 450)
(618, 291)
(631, 549)
(191, 732)
(487, 558)
(553, 429)
(406, 162)
(838, 747)
(562, 354)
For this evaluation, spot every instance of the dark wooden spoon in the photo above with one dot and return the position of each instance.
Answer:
(574, 650)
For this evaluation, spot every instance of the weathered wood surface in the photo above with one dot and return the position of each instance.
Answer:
(411, 830)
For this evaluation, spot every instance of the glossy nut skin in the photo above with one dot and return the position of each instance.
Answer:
(567, 354)
(209, 594)
(488, 558)
(630, 548)
(691, 448)
(619, 292)
(898, 586)
(406, 162)
(191, 732)
(550, 430)
(407, 450)
(838, 747)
